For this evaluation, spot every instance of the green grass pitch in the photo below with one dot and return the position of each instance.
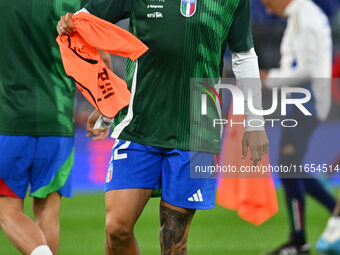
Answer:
(217, 231)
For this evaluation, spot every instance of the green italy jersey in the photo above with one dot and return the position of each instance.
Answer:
(187, 40)
(36, 97)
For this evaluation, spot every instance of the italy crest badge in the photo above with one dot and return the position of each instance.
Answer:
(188, 7)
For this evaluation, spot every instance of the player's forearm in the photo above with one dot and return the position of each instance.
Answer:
(246, 69)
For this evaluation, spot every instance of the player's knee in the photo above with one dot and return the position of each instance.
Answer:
(118, 232)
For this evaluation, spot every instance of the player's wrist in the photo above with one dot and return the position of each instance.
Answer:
(255, 123)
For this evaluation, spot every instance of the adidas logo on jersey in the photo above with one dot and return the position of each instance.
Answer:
(197, 197)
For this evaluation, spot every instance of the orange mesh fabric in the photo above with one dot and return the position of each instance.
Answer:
(82, 62)
(253, 196)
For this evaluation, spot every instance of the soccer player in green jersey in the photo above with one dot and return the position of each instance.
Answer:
(306, 62)
(158, 138)
(36, 126)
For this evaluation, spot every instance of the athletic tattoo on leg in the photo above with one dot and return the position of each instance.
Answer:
(173, 233)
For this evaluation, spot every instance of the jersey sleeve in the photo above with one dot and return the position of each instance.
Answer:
(240, 38)
(110, 10)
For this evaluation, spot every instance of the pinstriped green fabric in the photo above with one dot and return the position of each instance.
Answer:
(215, 19)
(34, 89)
(58, 181)
(180, 49)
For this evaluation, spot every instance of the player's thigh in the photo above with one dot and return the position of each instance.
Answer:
(295, 140)
(52, 166)
(288, 150)
(179, 188)
(294, 144)
(134, 172)
(133, 166)
(123, 207)
(16, 154)
(303, 133)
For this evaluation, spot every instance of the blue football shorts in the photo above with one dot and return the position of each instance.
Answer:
(137, 166)
(42, 163)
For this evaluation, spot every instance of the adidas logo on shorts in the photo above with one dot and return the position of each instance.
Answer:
(197, 197)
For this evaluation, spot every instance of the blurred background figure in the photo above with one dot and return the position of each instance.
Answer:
(306, 61)
(36, 123)
(329, 242)
(36, 126)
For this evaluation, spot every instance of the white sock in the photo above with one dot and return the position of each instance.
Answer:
(42, 250)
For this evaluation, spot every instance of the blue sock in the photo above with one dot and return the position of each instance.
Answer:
(295, 199)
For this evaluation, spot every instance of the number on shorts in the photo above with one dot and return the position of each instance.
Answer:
(116, 155)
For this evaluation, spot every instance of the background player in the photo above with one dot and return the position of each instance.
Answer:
(186, 39)
(36, 127)
(306, 61)
(329, 242)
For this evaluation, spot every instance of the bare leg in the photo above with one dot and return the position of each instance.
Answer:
(24, 233)
(175, 224)
(46, 212)
(123, 208)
